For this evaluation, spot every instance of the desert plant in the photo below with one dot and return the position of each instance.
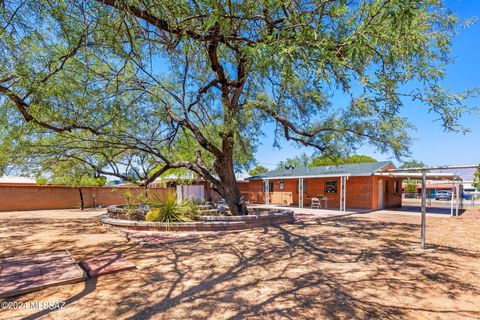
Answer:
(164, 208)
(166, 214)
(189, 209)
(128, 197)
(156, 200)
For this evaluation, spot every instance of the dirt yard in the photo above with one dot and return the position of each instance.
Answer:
(362, 266)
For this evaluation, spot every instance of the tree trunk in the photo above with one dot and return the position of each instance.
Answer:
(229, 186)
(81, 199)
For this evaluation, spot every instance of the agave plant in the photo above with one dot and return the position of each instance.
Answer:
(164, 208)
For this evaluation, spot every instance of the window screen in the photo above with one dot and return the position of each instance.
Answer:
(331, 186)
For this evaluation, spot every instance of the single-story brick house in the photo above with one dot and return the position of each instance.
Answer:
(352, 186)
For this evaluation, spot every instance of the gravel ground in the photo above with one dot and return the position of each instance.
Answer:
(360, 266)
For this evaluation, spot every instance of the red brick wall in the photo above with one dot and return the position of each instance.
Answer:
(390, 199)
(15, 198)
(359, 193)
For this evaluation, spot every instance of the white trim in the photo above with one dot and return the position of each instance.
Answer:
(418, 175)
(316, 176)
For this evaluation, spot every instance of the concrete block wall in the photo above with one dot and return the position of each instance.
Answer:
(34, 197)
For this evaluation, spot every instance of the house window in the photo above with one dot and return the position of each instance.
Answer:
(281, 185)
(331, 186)
(395, 186)
(387, 186)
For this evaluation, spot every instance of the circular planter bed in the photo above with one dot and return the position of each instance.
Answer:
(136, 212)
(257, 218)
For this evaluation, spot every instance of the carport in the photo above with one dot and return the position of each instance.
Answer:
(426, 173)
(454, 179)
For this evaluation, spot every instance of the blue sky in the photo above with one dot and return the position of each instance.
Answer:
(431, 144)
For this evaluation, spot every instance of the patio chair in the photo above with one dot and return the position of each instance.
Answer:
(315, 203)
(325, 201)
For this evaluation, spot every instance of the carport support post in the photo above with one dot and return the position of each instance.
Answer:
(451, 198)
(424, 209)
(458, 199)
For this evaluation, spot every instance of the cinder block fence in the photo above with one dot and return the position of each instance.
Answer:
(34, 197)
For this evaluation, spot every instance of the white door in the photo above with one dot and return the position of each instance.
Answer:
(194, 191)
(380, 194)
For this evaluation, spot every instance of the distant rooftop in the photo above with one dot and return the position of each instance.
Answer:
(466, 174)
(19, 180)
(189, 175)
(354, 169)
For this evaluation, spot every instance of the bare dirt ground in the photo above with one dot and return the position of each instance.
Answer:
(360, 266)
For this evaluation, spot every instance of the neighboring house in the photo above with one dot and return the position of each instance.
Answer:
(465, 174)
(17, 181)
(354, 186)
(190, 184)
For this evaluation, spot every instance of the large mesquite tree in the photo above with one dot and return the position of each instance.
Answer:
(156, 85)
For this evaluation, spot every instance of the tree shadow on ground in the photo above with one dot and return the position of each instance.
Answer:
(336, 268)
(346, 271)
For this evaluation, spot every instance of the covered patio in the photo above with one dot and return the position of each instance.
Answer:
(331, 194)
(343, 188)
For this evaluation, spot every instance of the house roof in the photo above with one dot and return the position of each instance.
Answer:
(354, 169)
(466, 174)
(193, 176)
(17, 180)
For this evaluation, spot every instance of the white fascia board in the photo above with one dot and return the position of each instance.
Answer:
(417, 175)
(316, 176)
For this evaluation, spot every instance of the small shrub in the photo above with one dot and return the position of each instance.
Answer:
(189, 209)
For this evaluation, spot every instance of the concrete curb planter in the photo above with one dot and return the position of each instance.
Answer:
(206, 223)
(121, 212)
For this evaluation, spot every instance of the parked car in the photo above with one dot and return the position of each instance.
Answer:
(443, 195)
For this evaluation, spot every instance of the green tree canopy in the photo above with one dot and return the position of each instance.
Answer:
(326, 160)
(158, 85)
(476, 178)
(413, 164)
(258, 170)
(301, 161)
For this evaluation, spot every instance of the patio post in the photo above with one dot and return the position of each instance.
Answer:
(424, 209)
(343, 194)
(300, 192)
(267, 192)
